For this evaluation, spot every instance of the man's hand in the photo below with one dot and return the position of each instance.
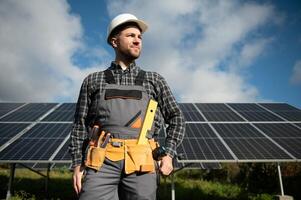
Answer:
(77, 178)
(166, 165)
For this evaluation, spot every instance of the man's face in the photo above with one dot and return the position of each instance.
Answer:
(128, 42)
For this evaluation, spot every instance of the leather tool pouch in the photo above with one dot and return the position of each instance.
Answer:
(96, 155)
(138, 158)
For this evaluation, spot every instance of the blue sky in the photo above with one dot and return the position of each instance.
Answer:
(208, 51)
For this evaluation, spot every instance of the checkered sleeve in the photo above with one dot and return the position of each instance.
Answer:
(79, 131)
(172, 115)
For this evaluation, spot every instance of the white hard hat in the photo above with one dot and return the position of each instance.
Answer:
(124, 18)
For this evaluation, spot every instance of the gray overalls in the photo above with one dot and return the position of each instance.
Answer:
(118, 109)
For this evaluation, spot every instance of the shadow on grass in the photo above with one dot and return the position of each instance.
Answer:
(58, 188)
(195, 193)
(61, 188)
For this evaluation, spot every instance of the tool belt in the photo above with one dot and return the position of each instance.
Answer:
(137, 157)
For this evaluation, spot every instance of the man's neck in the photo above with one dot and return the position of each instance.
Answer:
(124, 64)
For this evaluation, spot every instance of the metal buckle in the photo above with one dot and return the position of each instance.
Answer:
(116, 144)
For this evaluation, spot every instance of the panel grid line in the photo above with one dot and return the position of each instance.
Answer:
(272, 112)
(236, 112)
(59, 148)
(13, 110)
(223, 142)
(205, 118)
(278, 145)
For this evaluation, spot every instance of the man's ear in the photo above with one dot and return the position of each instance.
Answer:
(113, 42)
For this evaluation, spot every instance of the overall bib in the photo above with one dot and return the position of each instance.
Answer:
(121, 111)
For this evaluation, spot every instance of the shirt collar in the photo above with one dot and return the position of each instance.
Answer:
(117, 68)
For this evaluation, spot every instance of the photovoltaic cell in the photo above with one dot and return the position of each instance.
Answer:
(190, 112)
(292, 145)
(201, 143)
(237, 131)
(280, 130)
(203, 149)
(39, 143)
(298, 124)
(9, 130)
(287, 135)
(7, 107)
(247, 143)
(287, 111)
(199, 131)
(63, 153)
(218, 112)
(28, 113)
(253, 112)
(63, 113)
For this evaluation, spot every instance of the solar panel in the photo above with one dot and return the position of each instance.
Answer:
(64, 112)
(247, 143)
(216, 132)
(253, 112)
(201, 143)
(218, 112)
(29, 113)
(7, 107)
(291, 145)
(9, 130)
(237, 131)
(298, 124)
(287, 111)
(38, 144)
(201, 149)
(190, 112)
(63, 154)
(287, 135)
(280, 130)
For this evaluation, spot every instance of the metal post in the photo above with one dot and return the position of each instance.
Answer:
(173, 195)
(10, 189)
(280, 180)
(47, 180)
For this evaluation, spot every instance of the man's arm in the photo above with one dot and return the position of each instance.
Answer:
(78, 135)
(174, 118)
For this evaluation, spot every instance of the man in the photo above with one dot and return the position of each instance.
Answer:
(99, 102)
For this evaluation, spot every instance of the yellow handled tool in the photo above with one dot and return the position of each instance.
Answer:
(148, 121)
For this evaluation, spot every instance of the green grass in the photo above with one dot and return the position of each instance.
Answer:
(29, 185)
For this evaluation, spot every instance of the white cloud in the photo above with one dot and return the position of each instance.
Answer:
(194, 44)
(197, 44)
(38, 39)
(296, 75)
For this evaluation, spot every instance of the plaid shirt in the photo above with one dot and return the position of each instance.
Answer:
(156, 87)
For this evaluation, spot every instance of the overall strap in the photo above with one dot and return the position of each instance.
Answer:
(140, 78)
(109, 77)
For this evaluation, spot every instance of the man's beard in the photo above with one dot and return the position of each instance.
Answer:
(131, 56)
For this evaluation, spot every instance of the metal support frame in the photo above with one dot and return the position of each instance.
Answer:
(280, 180)
(173, 192)
(10, 189)
(47, 180)
(173, 189)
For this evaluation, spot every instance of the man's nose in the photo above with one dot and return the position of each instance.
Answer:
(137, 40)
